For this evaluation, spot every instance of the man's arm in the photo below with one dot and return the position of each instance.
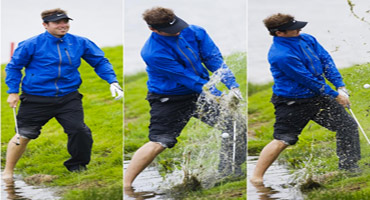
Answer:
(177, 73)
(212, 59)
(21, 58)
(294, 69)
(330, 70)
(95, 57)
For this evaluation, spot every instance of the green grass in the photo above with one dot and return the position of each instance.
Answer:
(315, 141)
(46, 154)
(194, 139)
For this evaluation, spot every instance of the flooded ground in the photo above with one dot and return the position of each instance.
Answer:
(19, 190)
(151, 185)
(278, 183)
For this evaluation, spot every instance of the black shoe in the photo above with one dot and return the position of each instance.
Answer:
(77, 168)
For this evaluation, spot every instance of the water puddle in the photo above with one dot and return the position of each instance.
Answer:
(19, 190)
(278, 183)
(151, 185)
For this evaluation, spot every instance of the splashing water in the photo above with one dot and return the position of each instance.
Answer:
(201, 153)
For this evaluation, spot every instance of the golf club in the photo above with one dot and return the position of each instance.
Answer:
(359, 125)
(16, 125)
(234, 147)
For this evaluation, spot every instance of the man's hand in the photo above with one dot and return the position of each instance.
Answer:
(236, 92)
(343, 100)
(13, 99)
(343, 91)
(116, 90)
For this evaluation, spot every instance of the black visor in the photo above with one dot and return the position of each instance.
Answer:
(291, 25)
(56, 17)
(172, 27)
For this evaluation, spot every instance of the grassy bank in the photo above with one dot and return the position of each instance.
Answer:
(196, 137)
(316, 147)
(46, 154)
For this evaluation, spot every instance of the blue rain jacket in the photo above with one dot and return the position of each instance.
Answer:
(51, 65)
(174, 63)
(300, 65)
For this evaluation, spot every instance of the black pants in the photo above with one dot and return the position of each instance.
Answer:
(170, 114)
(35, 111)
(292, 115)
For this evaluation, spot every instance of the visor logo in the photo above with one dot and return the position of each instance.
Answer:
(173, 21)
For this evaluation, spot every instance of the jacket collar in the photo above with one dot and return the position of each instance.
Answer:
(287, 39)
(55, 39)
(166, 38)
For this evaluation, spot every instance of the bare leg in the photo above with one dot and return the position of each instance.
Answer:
(268, 155)
(13, 153)
(141, 159)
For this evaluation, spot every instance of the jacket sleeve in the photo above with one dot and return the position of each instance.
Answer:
(212, 59)
(176, 72)
(95, 57)
(294, 69)
(330, 70)
(21, 57)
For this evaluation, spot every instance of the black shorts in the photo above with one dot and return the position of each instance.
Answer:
(35, 111)
(169, 115)
(292, 115)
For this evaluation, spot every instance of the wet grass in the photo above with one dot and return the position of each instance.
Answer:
(315, 151)
(193, 140)
(46, 154)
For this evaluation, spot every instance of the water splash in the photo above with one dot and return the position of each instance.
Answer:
(201, 153)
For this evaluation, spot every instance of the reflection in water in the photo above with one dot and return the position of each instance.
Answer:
(16, 189)
(277, 183)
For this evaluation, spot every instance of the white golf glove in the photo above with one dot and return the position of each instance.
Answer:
(116, 91)
(343, 91)
(236, 92)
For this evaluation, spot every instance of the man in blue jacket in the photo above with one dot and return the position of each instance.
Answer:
(300, 65)
(50, 88)
(175, 53)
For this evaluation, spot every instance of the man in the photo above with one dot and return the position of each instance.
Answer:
(174, 54)
(300, 65)
(50, 88)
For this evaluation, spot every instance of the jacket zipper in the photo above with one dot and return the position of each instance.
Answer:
(69, 57)
(195, 56)
(313, 67)
(59, 70)
(191, 63)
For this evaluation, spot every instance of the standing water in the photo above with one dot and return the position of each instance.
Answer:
(19, 190)
(278, 183)
(151, 185)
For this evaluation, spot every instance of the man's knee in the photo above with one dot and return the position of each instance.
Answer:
(286, 139)
(30, 132)
(78, 128)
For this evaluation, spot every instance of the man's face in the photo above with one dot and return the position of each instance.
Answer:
(58, 28)
(288, 33)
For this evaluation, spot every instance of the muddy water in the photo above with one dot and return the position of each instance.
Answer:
(19, 190)
(151, 185)
(278, 183)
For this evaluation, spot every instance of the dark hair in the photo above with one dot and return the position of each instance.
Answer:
(158, 15)
(50, 12)
(276, 20)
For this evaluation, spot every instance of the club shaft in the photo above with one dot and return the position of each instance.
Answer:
(16, 124)
(234, 146)
(359, 125)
